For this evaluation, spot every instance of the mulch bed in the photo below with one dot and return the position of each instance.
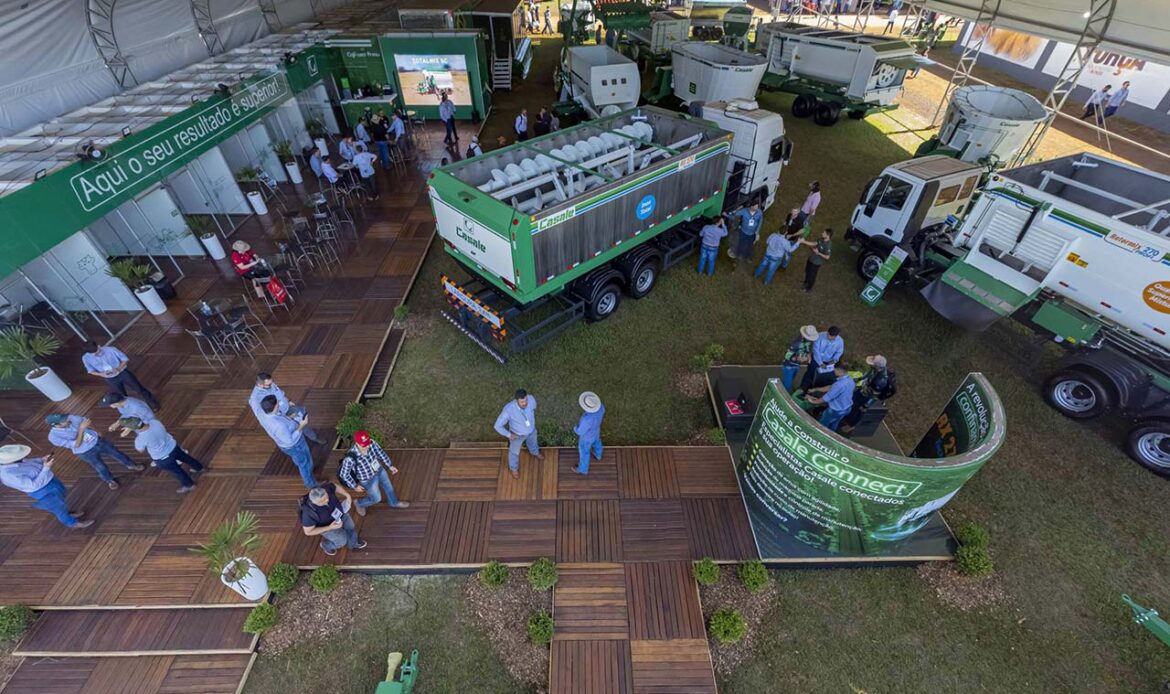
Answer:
(502, 613)
(755, 608)
(307, 616)
(960, 592)
(692, 385)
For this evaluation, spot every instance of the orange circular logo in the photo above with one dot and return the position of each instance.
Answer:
(1157, 296)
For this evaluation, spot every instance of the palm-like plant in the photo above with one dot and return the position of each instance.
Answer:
(231, 543)
(18, 347)
(132, 273)
(200, 226)
(284, 151)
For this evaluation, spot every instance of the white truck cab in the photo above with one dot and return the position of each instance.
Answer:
(758, 149)
(914, 195)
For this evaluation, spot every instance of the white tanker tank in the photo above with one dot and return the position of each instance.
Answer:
(714, 72)
(987, 124)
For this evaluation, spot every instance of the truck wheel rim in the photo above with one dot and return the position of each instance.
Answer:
(1154, 448)
(1074, 396)
(645, 279)
(870, 267)
(606, 303)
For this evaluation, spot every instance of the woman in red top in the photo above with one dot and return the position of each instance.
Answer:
(247, 263)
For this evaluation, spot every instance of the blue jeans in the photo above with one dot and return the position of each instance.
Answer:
(384, 153)
(790, 371)
(346, 535)
(707, 255)
(374, 488)
(303, 459)
(51, 498)
(585, 448)
(117, 384)
(94, 458)
(831, 418)
(451, 134)
(743, 251)
(770, 264)
(514, 449)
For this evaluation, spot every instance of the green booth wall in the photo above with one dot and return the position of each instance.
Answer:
(470, 45)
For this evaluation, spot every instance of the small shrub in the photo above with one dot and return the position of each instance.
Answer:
(542, 575)
(701, 362)
(974, 561)
(283, 578)
(401, 312)
(717, 436)
(324, 578)
(973, 535)
(553, 434)
(260, 619)
(714, 352)
(353, 420)
(15, 620)
(754, 575)
(540, 628)
(494, 574)
(706, 572)
(727, 625)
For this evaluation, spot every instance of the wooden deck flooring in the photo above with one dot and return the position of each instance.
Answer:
(67, 633)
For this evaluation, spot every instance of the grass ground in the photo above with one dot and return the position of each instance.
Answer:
(409, 612)
(1074, 522)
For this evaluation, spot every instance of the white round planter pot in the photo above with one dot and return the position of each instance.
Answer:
(256, 200)
(213, 246)
(49, 383)
(322, 145)
(253, 586)
(151, 300)
(294, 172)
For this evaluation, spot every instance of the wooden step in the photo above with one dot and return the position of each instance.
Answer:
(182, 674)
(138, 632)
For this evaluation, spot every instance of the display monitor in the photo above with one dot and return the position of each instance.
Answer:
(424, 78)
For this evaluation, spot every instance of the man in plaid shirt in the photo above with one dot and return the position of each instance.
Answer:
(367, 468)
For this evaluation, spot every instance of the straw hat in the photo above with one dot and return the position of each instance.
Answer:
(240, 246)
(13, 453)
(809, 332)
(876, 360)
(589, 401)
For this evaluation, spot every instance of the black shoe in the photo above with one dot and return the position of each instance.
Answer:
(328, 553)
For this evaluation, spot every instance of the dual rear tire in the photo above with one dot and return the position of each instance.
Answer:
(824, 113)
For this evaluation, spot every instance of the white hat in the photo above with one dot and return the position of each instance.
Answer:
(589, 401)
(876, 360)
(13, 453)
(809, 332)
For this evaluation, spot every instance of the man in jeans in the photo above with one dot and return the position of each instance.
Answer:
(750, 220)
(710, 236)
(447, 115)
(324, 515)
(76, 434)
(588, 430)
(289, 435)
(34, 476)
(799, 355)
(153, 439)
(127, 406)
(264, 387)
(517, 423)
(367, 468)
(838, 398)
(112, 364)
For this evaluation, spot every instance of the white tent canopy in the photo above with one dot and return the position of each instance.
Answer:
(1140, 28)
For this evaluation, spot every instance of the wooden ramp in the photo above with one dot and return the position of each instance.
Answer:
(633, 628)
(185, 674)
(127, 633)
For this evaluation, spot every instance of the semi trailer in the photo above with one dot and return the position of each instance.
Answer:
(1075, 248)
(834, 71)
(600, 80)
(556, 229)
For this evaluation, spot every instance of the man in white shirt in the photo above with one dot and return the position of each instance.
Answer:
(1117, 100)
(113, 365)
(521, 125)
(327, 170)
(364, 161)
(1096, 102)
(473, 149)
(447, 115)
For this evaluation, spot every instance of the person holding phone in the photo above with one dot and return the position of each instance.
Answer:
(34, 476)
(325, 515)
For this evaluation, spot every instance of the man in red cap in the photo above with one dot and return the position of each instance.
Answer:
(366, 467)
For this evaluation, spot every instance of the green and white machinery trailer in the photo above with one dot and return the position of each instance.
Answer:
(1076, 248)
(556, 229)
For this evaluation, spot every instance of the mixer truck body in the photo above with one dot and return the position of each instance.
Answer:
(986, 124)
(1076, 248)
(557, 229)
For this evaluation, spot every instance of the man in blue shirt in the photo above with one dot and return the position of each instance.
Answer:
(826, 351)
(76, 434)
(289, 435)
(315, 164)
(777, 250)
(264, 387)
(364, 161)
(34, 476)
(709, 237)
(517, 423)
(521, 125)
(153, 439)
(112, 364)
(750, 220)
(447, 115)
(127, 406)
(397, 128)
(838, 398)
(588, 429)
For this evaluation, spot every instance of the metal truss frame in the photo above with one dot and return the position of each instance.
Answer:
(201, 11)
(271, 18)
(99, 18)
(988, 12)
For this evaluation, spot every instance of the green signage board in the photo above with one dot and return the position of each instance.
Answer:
(873, 291)
(842, 497)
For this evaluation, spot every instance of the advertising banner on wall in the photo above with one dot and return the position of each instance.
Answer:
(1022, 49)
(1148, 81)
(424, 78)
(839, 496)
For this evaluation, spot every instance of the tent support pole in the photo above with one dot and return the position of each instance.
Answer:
(980, 29)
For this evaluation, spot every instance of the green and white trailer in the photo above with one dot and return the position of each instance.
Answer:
(556, 229)
(1076, 248)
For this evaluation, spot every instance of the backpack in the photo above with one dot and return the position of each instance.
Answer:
(891, 387)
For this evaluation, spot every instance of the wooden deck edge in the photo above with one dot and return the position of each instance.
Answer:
(172, 606)
(247, 672)
(706, 639)
(133, 654)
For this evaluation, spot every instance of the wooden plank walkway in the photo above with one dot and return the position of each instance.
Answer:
(128, 632)
(184, 674)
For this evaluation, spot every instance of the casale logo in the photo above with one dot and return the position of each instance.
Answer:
(465, 232)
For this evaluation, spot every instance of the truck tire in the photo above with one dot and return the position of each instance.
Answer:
(827, 113)
(868, 263)
(858, 113)
(804, 106)
(1149, 444)
(1077, 394)
(643, 279)
(604, 302)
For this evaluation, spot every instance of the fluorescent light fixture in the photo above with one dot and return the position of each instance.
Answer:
(126, 131)
(40, 174)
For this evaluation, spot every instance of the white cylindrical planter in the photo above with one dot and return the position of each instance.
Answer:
(322, 145)
(151, 300)
(49, 383)
(256, 200)
(294, 172)
(213, 246)
(253, 586)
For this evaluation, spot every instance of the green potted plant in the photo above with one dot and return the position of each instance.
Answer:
(251, 176)
(205, 231)
(136, 277)
(227, 556)
(317, 131)
(284, 152)
(20, 349)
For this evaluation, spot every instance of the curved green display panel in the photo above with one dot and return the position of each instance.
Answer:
(841, 497)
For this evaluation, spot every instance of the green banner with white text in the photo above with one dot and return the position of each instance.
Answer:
(842, 497)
